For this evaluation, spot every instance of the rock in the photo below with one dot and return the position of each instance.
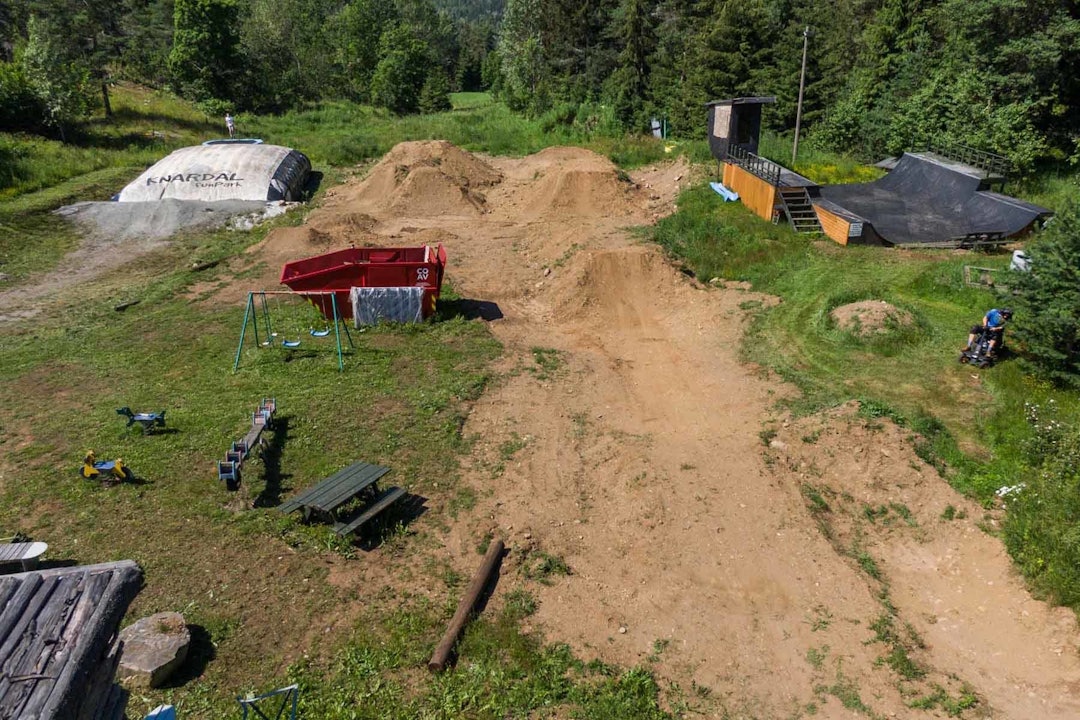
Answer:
(154, 647)
(778, 444)
(4, 277)
(622, 630)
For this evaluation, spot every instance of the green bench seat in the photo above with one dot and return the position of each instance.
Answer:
(383, 500)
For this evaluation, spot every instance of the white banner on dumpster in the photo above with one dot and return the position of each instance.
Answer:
(372, 305)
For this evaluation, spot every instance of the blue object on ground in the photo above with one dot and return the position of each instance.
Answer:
(728, 195)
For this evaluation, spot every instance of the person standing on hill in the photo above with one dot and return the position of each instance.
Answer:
(230, 124)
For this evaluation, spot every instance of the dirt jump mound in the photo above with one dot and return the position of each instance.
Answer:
(575, 182)
(618, 284)
(289, 243)
(424, 179)
(868, 318)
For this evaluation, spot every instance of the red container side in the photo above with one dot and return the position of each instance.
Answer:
(367, 267)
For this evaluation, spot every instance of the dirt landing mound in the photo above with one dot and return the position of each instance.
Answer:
(870, 317)
(421, 179)
(571, 182)
(290, 243)
(617, 284)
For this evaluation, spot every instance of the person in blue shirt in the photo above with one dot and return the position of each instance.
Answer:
(994, 321)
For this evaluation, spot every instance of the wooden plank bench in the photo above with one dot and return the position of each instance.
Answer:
(382, 501)
(261, 419)
(26, 554)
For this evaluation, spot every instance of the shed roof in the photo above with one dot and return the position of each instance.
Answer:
(57, 660)
(759, 100)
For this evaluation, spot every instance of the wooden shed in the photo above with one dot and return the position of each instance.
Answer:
(58, 654)
(735, 123)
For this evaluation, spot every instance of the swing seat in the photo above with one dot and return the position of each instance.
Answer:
(320, 333)
(290, 344)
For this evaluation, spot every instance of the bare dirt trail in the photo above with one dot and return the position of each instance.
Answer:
(624, 436)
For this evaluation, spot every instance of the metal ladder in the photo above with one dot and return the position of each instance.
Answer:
(799, 210)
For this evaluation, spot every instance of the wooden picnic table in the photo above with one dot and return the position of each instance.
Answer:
(358, 479)
(338, 489)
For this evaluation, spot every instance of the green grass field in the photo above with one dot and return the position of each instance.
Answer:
(265, 592)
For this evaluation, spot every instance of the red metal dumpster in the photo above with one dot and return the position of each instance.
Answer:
(367, 267)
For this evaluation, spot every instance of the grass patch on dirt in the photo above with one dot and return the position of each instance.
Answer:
(501, 673)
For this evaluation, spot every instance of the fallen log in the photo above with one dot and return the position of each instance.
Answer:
(441, 657)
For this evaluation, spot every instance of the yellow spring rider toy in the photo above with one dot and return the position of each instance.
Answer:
(111, 471)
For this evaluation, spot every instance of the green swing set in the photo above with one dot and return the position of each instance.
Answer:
(258, 304)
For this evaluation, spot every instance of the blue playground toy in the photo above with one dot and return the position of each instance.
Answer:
(148, 422)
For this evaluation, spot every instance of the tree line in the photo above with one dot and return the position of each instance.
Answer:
(882, 75)
(58, 57)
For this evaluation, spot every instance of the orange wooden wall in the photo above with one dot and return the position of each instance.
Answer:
(834, 226)
(754, 192)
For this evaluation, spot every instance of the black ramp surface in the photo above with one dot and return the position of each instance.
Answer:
(924, 201)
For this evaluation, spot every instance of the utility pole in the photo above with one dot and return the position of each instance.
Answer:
(802, 85)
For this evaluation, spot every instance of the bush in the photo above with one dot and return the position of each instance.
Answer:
(20, 107)
(1042, 529)
(435, 95)
(1048, 300)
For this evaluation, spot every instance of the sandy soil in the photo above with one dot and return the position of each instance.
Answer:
(870, 317)
(636, 454)
(625, 436)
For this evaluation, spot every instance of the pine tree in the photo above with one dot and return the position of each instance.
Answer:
(1047, 304)
(628, 88)
(435, 94)
(204, 60)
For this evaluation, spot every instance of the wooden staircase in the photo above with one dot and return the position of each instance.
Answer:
(799, 210)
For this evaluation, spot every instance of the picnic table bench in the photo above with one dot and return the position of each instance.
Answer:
(26, 553)
(359, 480)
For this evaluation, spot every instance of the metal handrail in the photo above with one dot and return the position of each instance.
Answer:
(765, 169)
(989, 162)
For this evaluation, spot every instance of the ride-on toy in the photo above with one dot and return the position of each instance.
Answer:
(113, 470)
(147, 421)
(979, 353)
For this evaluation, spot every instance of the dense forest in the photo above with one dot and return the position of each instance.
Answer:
(882, 75)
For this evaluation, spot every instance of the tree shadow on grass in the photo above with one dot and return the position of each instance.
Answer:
(271, 457)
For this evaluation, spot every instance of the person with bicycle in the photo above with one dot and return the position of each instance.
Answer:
(994, 324)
